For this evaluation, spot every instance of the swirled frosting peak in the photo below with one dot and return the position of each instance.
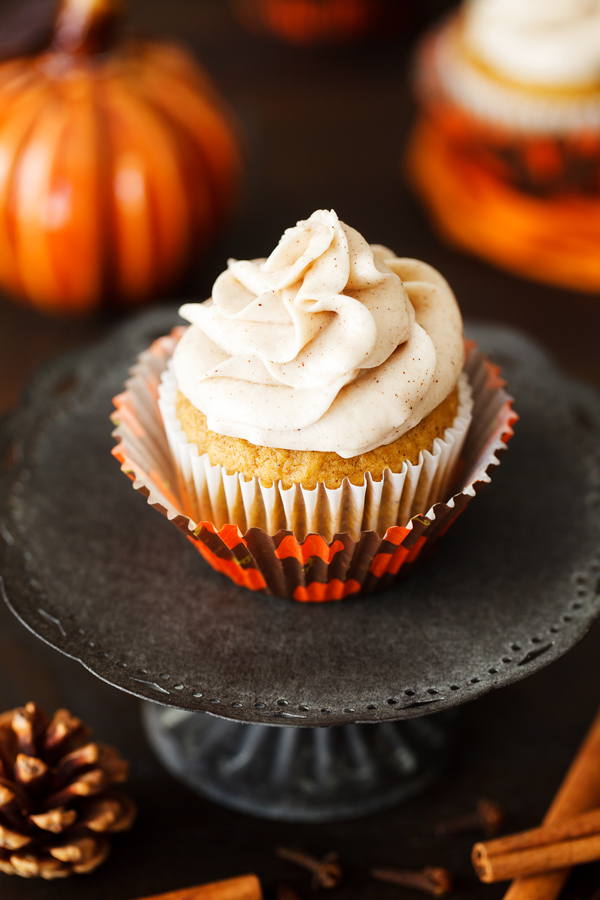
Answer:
(318, 347)
(551, 43)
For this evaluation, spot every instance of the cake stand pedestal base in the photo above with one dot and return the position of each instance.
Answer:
(300, 774)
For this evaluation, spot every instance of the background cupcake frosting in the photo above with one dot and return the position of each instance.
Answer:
(555, 43)
(321, 346)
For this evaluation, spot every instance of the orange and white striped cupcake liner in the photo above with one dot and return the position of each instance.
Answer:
(308, 545)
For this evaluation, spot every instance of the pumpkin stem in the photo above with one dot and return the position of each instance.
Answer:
(85, 26)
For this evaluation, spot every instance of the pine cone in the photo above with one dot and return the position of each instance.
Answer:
(56, 800)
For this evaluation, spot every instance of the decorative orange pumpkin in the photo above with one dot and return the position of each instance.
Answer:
(323, 21)
(117, 166)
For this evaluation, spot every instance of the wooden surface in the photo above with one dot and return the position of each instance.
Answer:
(322, 129)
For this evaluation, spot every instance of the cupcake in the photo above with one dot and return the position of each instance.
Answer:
(506, 153)
(315, 410)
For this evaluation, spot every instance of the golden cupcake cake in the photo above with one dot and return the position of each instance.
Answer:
(506, 152)
(314, 411)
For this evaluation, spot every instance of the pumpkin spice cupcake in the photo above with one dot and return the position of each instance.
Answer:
(316, 366)
(315, 410)
(506, 152)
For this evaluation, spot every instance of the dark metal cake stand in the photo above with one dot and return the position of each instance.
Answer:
(94, 572)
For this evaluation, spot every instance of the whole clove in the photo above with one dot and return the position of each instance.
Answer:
(432, 879)
(326, 872)
(488, 817)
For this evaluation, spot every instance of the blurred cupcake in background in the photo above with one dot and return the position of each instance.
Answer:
(506, 152)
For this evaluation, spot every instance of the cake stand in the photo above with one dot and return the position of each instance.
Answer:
(92, 571)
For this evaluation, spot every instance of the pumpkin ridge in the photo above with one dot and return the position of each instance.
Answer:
(133, 250)
(170, 247)
(28, 107)
(209, 127)
(31, 186)
(75, 191)
(9, 81)
(106, 181)
(107, 284)
(61, 277)
(191, 155)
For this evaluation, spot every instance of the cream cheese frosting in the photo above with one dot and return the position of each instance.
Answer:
(549, 43)
(330, 344)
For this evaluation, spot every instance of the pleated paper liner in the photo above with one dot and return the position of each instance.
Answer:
(317, 566)
(209, 494)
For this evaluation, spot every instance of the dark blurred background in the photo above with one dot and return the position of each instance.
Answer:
(322, 127)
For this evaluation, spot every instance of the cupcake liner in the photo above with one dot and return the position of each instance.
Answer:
(552, 239)
(210, 494)
(444, 68)
(182, 485)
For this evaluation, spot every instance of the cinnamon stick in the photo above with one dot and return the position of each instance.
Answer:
(587, 823)
(245, 887)
(537, 860)
(579, 793)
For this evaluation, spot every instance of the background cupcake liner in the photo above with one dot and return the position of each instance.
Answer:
(208, 493)
(554, 239)
(313, 568)
(444, 68)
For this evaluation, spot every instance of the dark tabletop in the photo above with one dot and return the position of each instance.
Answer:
(323, 129)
